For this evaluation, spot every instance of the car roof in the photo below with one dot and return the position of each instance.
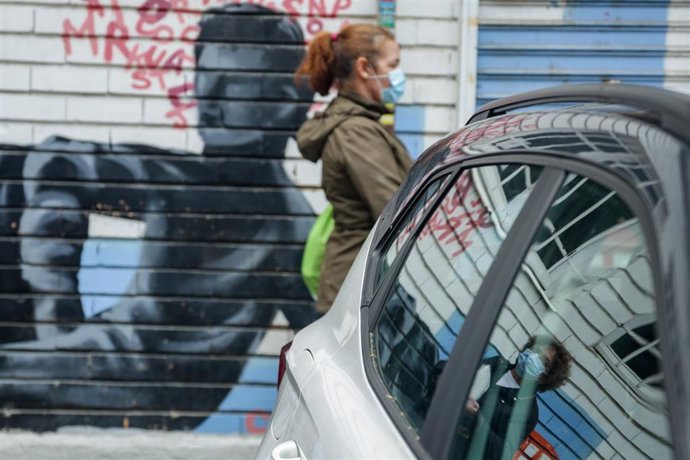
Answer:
(671, 108)
(638, 132)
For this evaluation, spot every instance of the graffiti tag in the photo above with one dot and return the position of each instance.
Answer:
(155, 42)
(453, 223)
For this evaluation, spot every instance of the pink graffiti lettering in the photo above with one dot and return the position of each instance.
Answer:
(87, 29)
(150, 13)
(149, 67)
(153, 11)
(152, 63)
(155, 44)
(117, 34)
(177, 113)
(313, 10)
(455, 221)
(491, 130)
(189, 34)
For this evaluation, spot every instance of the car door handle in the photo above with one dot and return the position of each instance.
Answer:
(288, 450)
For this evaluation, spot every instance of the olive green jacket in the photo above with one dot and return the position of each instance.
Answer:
(363, 166)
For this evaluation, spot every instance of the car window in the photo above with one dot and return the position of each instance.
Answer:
(573, 365)
(407, 226)
(424, 310)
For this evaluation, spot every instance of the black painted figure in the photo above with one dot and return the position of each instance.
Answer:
(213, 267)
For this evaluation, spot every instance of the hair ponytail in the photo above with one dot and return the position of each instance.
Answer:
(318, 64)
(331, 58)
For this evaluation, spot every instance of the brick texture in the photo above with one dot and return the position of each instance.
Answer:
(153, 208)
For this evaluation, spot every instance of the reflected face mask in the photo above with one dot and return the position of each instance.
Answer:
(529, 365)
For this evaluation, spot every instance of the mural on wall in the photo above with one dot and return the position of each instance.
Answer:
(153, 45)
(138, 282)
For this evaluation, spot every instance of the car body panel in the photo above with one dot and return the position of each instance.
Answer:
(647, 157)
(341, 409)
(329, 398)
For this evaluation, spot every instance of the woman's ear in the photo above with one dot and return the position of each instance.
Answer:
(363, 68)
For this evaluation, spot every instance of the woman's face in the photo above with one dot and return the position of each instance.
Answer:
(388, 58)
(387, 61)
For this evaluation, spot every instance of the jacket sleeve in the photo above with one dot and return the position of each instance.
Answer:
(370, 163)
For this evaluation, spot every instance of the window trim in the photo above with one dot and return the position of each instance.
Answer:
(621, 369)
(623, 186)
(377, 253)
(444, 412)
(369, 311)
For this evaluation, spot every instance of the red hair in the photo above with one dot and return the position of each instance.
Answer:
(330, 59)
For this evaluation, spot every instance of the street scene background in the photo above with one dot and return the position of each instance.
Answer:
(153, 204)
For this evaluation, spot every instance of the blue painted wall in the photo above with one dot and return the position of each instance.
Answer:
(593, 42)
(410, 122)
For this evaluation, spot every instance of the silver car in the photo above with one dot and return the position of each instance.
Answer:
(524, 295)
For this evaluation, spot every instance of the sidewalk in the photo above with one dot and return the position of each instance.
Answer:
(80, 443)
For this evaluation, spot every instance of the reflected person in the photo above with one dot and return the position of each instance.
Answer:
(501, 416)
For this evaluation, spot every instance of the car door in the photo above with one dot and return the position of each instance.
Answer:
(456, 226)
(523, 255)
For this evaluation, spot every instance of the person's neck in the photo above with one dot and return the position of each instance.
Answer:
(516, 376)
(359, 88)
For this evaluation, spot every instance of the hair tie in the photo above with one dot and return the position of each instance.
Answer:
(334, 36)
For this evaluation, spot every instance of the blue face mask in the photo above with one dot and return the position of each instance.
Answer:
(394, 92)
(529, 365)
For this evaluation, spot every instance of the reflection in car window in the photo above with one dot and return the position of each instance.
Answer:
(632, 350)
(407, 226)
(603, 210)
(426, 306)
(573, 367)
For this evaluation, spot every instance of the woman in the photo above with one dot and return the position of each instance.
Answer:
(363, 163)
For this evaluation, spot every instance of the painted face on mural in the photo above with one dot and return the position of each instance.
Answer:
(244, 87)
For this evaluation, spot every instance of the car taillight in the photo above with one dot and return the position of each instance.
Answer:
(282, 362)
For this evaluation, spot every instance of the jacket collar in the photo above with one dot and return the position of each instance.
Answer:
(368, 104)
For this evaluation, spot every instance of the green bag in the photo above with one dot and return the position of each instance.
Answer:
(315, 248)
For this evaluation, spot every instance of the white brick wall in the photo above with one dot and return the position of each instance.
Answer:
(44, 91)
(105, 109)
(429, 36)
(16, 18)
(30, 48)
(427, 32)
(14, 133)
(426, 61)
(32, 107)
(67, 79)
(160, 137)
(431, 90)
(430, 9)
(80, 131)
(15, 77)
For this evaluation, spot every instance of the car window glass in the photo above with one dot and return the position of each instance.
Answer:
(573, 366)
(407, 226)
(425, 308)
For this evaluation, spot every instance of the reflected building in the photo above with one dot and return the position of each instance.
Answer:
(586, 279)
